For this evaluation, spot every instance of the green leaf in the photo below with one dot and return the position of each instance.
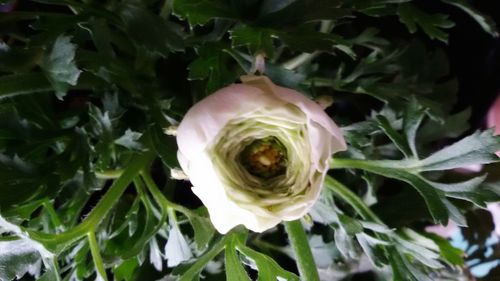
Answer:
(17, 258)
(277, 13)
(452, 126)
(212, 64)
(447, 251)
(258, 40)
(201, 11)
(20, 181)
(432, 25)
(413, 116)
(396, 170)
(60, 67)
(486, 22)
(150, 32)
(267, 267)
(15, 59)
(306, 38)
(398, 139)
(130, 140)
(165, 146)
(125, 271)
(478, 148)
(32, 83)
(351, 226)
(233, 265)
(203, 228)
(472, 190)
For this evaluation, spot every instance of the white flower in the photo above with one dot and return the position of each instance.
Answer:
(256, 153)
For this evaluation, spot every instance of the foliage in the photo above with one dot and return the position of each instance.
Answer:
(87, 87)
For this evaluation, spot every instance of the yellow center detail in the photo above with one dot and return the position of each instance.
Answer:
(264, 158)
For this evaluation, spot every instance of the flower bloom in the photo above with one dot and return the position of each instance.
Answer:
(256, 153)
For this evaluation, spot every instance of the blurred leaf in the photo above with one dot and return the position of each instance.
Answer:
(15, 59)
(448, 252)
(151, 32)
(130, 140)
(125, 271)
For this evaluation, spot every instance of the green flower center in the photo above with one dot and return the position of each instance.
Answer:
(264, 158)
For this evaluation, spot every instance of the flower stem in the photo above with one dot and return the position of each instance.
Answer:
(352, 199)
(303, 254)
(96, 255)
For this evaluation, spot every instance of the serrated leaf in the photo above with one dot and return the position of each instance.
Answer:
(17, 258)
(151, 32)
(267, 267)
(432, 25)
(258, 40)
(478, 148)
(130, 140)
(60, 67)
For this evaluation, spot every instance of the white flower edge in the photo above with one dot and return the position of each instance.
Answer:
(201, 126)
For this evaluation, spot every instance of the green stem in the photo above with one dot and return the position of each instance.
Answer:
(60, 241)
(96, 255)
(303, 254)
(352, 199)
(108, 174)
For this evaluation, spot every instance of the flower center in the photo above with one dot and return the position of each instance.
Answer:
(264, 158)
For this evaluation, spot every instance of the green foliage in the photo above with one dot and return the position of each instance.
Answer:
(87, 89)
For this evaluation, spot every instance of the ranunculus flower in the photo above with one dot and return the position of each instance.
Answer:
(256, 153)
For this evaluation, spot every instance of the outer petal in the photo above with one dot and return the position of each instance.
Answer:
(205, 119)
